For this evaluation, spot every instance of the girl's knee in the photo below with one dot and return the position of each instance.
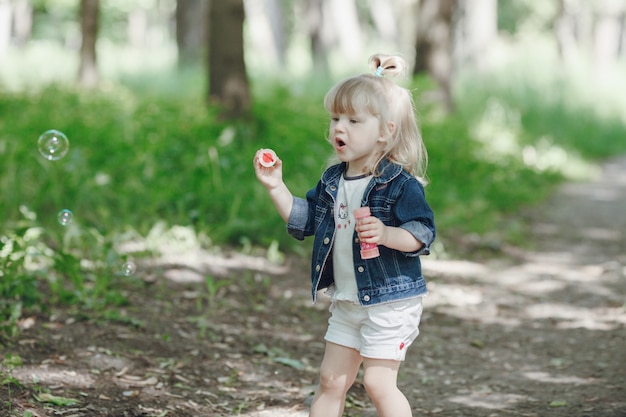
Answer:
(379, 381)
(333, 383)
(376, 386)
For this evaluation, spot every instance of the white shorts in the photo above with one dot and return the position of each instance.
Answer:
(382, 331)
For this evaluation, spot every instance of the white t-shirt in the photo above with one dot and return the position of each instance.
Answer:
(349, 198)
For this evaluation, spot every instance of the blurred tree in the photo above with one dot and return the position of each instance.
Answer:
(88, 70)
(565, 28)
(318, 37)
(347, 30)
(433, 44)
(609, 24)
(266, 24)
(476, 30)
(137, 29)
(383, 13)
(228, 81)
(595, 30)
(22, 21)
(451, 33)
(191, 20)
(5, 27)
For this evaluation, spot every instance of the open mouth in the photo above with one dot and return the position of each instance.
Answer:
(340, 143)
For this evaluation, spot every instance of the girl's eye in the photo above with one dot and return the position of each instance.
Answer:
(353, 121)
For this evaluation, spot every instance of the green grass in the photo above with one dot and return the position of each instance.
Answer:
(138, 159)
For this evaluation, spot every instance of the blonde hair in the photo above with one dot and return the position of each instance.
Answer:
(390, 103)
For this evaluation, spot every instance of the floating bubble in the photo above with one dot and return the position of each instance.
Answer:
(129, 268)
(65, 217)
(53, 145)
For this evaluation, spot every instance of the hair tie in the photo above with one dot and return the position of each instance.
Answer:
(379, 71)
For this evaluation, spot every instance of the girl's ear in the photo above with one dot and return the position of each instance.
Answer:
(391, 129)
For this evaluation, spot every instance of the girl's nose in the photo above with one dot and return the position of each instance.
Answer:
(339, 127)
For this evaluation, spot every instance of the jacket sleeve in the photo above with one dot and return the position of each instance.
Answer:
(296, 225)
(302, 217)
(414, 215)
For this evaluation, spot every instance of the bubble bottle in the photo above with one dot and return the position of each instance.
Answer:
(368, 250)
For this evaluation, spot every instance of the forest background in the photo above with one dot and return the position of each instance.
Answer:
(164, 103)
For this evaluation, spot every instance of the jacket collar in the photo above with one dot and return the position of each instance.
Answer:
(389, 171)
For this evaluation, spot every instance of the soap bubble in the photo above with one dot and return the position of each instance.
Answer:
(129, 268)
(65, 217)
(53, 145)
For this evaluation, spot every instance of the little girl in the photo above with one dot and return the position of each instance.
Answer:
(376, 303)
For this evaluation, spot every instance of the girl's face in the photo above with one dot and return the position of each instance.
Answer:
(355, 137)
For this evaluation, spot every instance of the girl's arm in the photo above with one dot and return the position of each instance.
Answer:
(417, 227)
(282, 199)
(372, 230)
(272, 180)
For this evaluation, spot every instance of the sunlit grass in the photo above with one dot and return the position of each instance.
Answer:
(501, 132)
(544, 103)
(41, 62)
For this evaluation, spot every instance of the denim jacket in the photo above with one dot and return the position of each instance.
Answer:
(397, 199)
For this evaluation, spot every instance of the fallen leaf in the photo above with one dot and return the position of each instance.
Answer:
(477, 343)
(294, 363)
(136, 381)
(53, 399)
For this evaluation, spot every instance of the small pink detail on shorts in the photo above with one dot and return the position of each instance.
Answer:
(401, 345)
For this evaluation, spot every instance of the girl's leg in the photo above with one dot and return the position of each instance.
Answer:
(337, 373)
(380, 380)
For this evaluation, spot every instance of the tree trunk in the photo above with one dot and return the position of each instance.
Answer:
(5, 28)
(22, 21)
(276, 19)
(591, 30)
(88, 71)
(383, 15)
(347, 28)
(565, 33)
(190, 30)
(137, 30)
(266, 32)
(607, 35)
(228, 82)
(477, 29)
(315, 22)
(433, 45)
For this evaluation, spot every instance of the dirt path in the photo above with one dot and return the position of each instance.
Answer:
(543, 333)
(533, 333)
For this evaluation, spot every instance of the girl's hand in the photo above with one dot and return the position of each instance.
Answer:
(371, 230)
(271, 177)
